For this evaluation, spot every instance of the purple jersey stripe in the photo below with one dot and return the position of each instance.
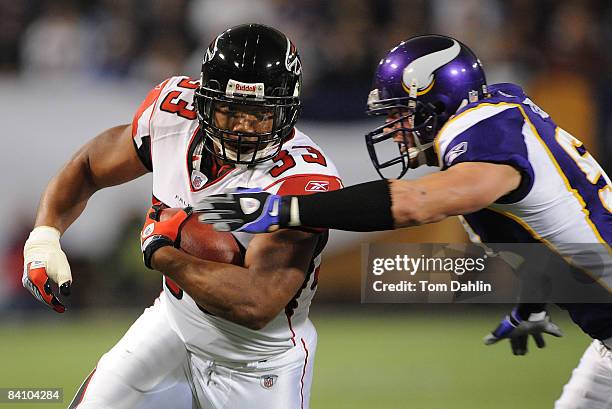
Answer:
(493, 227)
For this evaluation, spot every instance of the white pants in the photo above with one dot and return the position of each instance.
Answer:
(151, 368)
(590, 386)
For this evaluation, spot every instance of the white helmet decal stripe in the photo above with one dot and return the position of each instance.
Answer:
(292, 62)
(211, 51)
(422, 68)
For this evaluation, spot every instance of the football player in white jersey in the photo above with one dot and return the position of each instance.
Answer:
(219, 335)
(508, 171)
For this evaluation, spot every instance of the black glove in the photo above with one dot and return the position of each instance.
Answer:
(515, 328)
(246, 210)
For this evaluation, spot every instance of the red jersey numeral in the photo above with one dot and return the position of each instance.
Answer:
(189, 83)
(287, 162)
(313, 156)
(179, 107)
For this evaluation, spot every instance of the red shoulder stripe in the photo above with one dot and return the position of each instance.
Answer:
(148, 101)
(305, 184)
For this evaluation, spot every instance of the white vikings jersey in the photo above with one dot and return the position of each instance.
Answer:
(565, 197)
(169, 141)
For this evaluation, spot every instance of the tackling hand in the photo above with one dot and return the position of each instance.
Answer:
(43, 262)
(157, 234)
(246, 210)
(517, 330)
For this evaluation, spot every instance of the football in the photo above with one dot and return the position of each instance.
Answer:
(202, 241)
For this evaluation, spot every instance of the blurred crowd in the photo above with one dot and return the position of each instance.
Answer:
(340, 40)
(558, 49)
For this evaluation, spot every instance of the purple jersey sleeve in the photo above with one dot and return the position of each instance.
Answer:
(498, 139)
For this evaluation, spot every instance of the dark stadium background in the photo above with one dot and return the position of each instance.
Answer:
(69, 69)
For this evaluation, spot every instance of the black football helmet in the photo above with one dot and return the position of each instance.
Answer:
(250, 73)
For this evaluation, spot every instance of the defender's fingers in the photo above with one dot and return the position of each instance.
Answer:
(215, 200)
(222, 227)
(553, 329)
(208, 217)
(490, 339)
(203, 206)
(228, 225)
(519, 345)
(217, 215)
(539, 340)
(216, 207)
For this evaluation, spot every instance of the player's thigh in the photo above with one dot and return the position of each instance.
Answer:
(282, 382)
(590, 386)
(104, 390)
(146, 368)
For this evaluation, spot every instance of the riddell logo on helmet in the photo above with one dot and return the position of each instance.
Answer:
(246, 87)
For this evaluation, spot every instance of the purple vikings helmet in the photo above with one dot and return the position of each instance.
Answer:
(419, 85)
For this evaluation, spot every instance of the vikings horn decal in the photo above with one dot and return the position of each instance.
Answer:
(292, 61)
(211, 50)
(422, 68)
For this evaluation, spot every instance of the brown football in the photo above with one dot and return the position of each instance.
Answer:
(202, 241)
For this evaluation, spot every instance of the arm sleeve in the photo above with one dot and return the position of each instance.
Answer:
(363, 207)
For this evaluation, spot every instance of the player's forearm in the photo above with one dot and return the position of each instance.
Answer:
(428, 200)
(66, 196)
(225, 290)
(384, 205)
(373, 206)
(463, 189)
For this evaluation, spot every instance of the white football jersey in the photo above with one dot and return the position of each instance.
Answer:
(565, 196)
(167, 136)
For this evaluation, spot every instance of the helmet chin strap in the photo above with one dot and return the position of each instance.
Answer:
(233, 155)
(418, 154)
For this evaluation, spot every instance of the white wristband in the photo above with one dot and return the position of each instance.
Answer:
(294, 213)
(45, 233)
(44, 246)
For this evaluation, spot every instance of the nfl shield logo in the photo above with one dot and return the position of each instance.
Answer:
(267, 381)
(198, 179)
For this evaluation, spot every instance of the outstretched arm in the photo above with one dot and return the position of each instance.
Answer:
(462, 189)
(371, 206)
